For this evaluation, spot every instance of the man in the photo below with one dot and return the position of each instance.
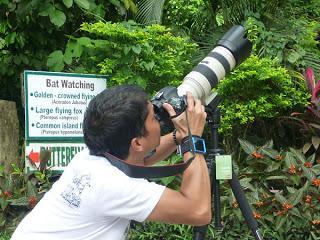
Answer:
(95, 200)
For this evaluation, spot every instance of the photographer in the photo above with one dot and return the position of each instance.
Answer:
(95, 200)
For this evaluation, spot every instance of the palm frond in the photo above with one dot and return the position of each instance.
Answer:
(312, 60)
(149, 11)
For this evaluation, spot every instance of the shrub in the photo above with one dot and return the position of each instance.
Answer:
(19, 193)
(283, 188)
(150, 57)
(258, 89)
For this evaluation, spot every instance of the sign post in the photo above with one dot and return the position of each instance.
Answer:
(54, 110)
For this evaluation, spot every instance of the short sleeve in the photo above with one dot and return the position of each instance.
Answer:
(130, 198)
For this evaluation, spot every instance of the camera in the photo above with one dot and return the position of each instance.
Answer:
(232, 49)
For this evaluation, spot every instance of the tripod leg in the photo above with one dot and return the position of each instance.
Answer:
(244, 206)
(216, 199)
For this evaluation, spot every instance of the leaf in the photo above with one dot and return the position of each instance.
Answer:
(167, 180)
(23, 201)
(311, 158)
(247, 146)
(289, 159)
(315, 141)
(136, 49)
(294, 211)
(2, 43)
(298, 155)
(270, 152)
(57, 17)
(46, 9)
(306, 147)
(126, 49)
(115, 2)
(293, 56)
(291, 190)
(310, 81)
(276, 177)
(296, 197)
(31, 189)
(85, 41)
(308, 173)
(316, 169)
(149, 65)
(55, 60)
(67, 58)
(317, 126)
(245, 182)
(150, 11)
(315, 92)
(280, 198)
(280, 222)
(268, 144)
(68, 3)
(83, 4)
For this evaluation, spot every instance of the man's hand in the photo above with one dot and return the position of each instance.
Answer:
(195, 113)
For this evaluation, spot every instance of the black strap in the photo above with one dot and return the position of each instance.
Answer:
(136, 171)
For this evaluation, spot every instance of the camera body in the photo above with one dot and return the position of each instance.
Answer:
(168, 95)
(232, 49)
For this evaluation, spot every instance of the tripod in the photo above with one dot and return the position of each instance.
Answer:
(213, 118)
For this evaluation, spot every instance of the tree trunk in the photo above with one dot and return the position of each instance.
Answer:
(9, 135)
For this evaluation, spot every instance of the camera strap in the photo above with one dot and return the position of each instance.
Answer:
(136, 171)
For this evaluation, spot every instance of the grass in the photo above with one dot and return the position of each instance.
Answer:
(4, 236)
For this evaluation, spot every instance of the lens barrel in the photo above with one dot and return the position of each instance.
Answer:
(232, 49)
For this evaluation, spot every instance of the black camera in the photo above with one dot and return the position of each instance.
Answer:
(232, 49)
(168, 95)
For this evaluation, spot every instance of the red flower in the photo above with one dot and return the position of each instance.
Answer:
(280, 213)
(308, 164)
(257, 155)
(292, 169)
(308, 199)
(287, 206)
(316, 182)
(316, 222)
(259, 204)
(279, 157)
(7, 194)
(234, 205)
(32, 201)
(256, 215)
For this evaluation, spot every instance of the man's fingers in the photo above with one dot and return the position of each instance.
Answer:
(190, 101)
(169, 109)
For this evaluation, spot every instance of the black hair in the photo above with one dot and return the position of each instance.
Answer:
(113, 118)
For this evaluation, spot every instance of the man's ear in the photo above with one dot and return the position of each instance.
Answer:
(136, 144)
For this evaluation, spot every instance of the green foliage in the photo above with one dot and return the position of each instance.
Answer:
(31, 30)
(4, 236)
(149, 12)
(150, 57)
(293, 42)
(159, 231)
(283, 189)
(19, 193)
(194, 17)
(258, 89)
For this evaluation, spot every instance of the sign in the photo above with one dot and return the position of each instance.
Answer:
(60, 154)
(54, 110)
(56, 102)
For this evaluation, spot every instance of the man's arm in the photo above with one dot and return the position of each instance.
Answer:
(192, 203)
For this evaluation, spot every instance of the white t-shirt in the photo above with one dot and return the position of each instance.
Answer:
(92, 200)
